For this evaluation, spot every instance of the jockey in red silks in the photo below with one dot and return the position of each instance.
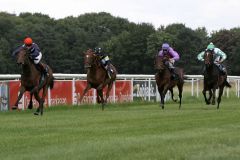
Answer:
(34, 53)
(174, 56)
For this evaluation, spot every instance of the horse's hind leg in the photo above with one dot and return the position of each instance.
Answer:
(30, 105)
(220, 96)
(84, 92)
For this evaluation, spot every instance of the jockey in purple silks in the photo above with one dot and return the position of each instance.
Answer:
(174, 56)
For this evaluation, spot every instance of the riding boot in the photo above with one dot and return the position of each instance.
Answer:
(203, 69)
(109, 71)
(173, 74)
(172, 70)
(44, 70)
(222, 69)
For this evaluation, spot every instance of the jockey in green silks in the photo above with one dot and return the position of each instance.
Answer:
(219, 56)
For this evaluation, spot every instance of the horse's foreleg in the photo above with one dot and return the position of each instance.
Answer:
(100, 93)
(108, 91)
(84, 92)
(22, 90)
(220, 95)
(180, 90)
(213, 96)
(172, 95)
(37, 97)
(160, 91)
(42, 100)
(205, 96)
(30, 105)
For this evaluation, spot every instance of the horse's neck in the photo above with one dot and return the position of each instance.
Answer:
(28, 69)
(164, 71)
(212, 70)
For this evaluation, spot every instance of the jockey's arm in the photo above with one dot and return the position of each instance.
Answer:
(174, 54)
(200, 56)
(221, 54)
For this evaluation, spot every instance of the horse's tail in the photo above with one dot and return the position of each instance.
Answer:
(51, 84)
(227, 84)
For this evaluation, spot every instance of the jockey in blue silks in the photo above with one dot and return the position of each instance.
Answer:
(104, 60)
(34, 53)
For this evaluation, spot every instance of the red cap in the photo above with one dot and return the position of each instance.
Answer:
(28, 41)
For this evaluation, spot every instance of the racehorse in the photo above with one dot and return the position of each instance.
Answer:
(97, 76)
(32, 80)
(165, 82)
(213, 79)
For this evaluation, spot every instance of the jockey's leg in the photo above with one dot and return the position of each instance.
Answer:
(108, 68)
(106, 64)
(39, 65)
(171, 69)
(44, 70)
(221, 68)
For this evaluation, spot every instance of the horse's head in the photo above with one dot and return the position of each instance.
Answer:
(160, 62)
(89, 58)
(208, 58)
(22, 57)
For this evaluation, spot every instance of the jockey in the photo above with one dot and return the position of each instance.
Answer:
(174, 56)
(219, 55)
(35, 54)
(104, 60)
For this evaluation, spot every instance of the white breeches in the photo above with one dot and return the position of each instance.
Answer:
(38, 58)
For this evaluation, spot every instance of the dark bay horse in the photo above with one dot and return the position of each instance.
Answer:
(97, 77)
(213, 79)
(32, 80)
(164, 81)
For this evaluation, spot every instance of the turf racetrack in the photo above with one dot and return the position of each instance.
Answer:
(124, 131)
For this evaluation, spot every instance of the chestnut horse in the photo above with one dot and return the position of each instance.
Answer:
(32, 80)
(97, 76)
(213, 79)
(165, 82)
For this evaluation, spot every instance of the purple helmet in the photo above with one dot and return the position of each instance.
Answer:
(165, 46)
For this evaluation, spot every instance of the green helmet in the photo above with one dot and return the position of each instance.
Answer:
(210, 46)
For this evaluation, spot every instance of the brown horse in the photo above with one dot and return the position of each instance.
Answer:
(164, 81)
(97, 76)
(213, 79)
(32, 80)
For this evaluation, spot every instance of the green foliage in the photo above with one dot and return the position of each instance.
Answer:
(131, 46)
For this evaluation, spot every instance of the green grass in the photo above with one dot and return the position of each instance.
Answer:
(124, 131)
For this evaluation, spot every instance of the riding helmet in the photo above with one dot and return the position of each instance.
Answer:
(210, 46)
(165, 46)
(28, 41)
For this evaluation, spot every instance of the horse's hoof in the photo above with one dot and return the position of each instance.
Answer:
(36, 113)
(30, 107)
(14, 107)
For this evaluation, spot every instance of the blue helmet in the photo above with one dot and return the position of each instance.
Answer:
(165, 46)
